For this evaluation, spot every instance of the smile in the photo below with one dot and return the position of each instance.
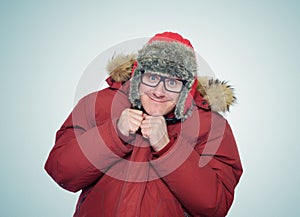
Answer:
(157, 100)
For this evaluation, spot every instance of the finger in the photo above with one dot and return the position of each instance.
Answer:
(145, 132)
(135, 116)
(147, 127)
(134, 123)
(146, 124)
(145, 116)
(151, 122)
(135, 119)
(135, 111)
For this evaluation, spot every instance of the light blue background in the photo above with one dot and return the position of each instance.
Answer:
(46, 46)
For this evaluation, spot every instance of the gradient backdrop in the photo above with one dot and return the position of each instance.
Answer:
(47, 45)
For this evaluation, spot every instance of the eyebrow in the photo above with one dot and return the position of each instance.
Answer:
(163, 75)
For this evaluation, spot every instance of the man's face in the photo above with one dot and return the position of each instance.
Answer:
(155, 98)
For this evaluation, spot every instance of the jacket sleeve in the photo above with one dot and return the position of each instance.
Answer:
(205, 180)
(84, 150)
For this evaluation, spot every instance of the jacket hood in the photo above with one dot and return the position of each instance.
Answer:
(218, 94)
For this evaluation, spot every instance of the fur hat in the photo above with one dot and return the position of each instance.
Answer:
(169, 54)
(218, 94)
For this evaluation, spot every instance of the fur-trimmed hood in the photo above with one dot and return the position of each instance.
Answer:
(218, 94)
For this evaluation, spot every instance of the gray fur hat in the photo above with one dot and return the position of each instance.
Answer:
(169, 57)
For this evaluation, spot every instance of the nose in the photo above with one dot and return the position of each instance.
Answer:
(159, 91)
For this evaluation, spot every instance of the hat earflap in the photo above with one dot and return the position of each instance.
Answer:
(134, 93)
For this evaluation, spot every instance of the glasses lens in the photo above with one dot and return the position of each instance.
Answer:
(173, 85)
(170, 84)
(151, 79)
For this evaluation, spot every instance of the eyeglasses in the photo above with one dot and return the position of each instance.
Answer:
(171, 84)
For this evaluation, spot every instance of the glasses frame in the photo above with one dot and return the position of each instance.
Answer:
(162, 79)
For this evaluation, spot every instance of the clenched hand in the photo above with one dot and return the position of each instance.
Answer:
(152, 128)
(130, 121)
(155, 129)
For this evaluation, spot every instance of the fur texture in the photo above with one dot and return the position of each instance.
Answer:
(218, 94)
(120, 67)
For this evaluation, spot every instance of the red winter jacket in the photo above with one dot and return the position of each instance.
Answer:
(194, 175)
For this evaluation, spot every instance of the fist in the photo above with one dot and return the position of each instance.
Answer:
(130, 121)
(155, 129)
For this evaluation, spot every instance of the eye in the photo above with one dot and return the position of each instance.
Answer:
(172, 82)
(153, 77)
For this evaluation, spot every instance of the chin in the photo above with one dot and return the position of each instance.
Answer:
(155, 114)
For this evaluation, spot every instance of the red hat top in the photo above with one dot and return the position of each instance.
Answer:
(171, 36)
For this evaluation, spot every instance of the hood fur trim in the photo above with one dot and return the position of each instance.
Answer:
(120, 67)
(219, 94)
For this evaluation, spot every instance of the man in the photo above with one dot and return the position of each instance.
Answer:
(152, 143)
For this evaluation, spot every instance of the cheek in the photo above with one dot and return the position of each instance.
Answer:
(144, 100)
(175, 97)
(143, 89)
